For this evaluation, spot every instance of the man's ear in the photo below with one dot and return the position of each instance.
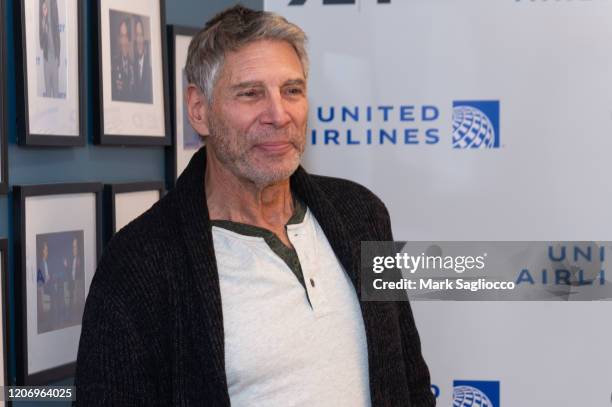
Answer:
(197, 109)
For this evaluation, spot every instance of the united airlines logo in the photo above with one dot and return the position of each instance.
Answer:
(469, 393)
(476, 124)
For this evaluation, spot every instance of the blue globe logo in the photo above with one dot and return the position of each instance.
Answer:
(468, 396)
(472, 128)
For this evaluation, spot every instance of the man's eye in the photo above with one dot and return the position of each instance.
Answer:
(295, 91)
(248, 93)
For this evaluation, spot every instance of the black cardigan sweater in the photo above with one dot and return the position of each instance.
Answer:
(152, 332)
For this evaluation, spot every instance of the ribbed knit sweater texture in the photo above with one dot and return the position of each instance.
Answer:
(152, 332)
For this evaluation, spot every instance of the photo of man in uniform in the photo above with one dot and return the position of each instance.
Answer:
(122, 64)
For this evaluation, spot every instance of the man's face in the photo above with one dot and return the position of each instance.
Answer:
(75, 248)
(45, 9)
(45, 251)
(124, 41)
(139, 38)
(258, 118)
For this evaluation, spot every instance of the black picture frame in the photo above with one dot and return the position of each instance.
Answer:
(173, 31)
(4, 315)
(100, 135)
(3, 108)
(20, 194)
(25, 136)
(110, 192)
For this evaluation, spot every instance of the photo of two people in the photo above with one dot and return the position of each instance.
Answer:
(130, 39)
(60, 280)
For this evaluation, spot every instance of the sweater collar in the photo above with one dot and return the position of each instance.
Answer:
(190, 190)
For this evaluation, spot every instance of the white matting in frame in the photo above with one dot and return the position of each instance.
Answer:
(49, 219)
(124, 114)
(53, 80)
(130, 205)
(187, 140)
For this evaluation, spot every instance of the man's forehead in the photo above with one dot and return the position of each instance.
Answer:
(263, 60)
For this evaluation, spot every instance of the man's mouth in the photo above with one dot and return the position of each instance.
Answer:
(275, 146)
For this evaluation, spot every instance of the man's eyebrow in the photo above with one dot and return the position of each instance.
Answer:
(253, 84)
(293, 82)
(248, 84)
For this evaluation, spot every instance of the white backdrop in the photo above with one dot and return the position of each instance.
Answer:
(544, 69)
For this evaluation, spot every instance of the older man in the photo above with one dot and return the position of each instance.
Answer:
(241, 286)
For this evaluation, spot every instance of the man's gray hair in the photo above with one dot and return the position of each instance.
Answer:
(231, 30)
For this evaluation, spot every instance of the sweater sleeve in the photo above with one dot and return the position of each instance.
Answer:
(111, 362)
(416, 368)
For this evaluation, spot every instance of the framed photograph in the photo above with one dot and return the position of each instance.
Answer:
(57, 245)
(125, 202)
(185, 139)
(50, 73)
(4, 300)
(3, 109)
(132, 84)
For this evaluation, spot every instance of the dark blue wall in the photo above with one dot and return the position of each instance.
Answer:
(89, 163)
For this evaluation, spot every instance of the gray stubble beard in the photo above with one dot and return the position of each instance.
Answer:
(238, 162)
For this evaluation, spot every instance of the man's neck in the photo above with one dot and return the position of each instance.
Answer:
(231, 198)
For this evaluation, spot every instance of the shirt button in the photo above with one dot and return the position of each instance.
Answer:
(312, 282)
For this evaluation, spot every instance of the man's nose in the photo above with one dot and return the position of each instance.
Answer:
(276, 112)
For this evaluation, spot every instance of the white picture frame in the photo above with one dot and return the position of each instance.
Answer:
(133, 89)
(58, 242)
(51, 82)
(185, 140)
(126, 201)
